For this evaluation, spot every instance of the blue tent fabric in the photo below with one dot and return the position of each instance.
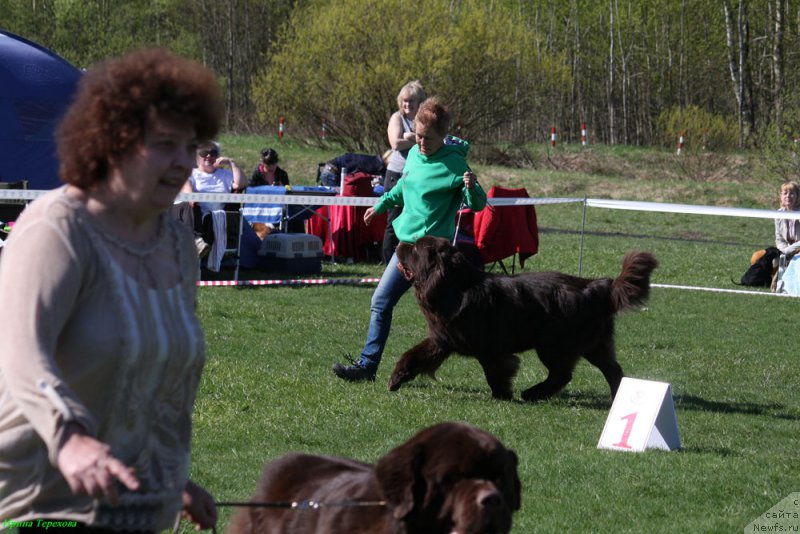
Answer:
(37, 87)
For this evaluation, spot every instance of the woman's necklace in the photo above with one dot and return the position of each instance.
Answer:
(99, 220)
(137, 249)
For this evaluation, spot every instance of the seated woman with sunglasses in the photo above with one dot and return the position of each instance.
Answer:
(208, 176)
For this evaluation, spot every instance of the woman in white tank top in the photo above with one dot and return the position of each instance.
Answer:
(401, 138)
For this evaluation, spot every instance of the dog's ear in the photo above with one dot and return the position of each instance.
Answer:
(398, 473)
(456, 260)
(428, 257)
(515, 489)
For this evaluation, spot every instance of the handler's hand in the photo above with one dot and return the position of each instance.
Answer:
(369, 215)
(90, 469)
(198, 506)
(469, 179)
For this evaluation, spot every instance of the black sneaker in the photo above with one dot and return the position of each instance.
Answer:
(355, 372)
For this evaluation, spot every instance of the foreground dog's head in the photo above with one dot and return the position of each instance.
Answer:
(429, 258)
(450, 478)
(462, 475)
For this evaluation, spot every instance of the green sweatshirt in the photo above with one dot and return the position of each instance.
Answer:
(430, 193)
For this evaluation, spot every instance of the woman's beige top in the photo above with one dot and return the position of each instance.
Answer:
(787, 234)
(91, 332)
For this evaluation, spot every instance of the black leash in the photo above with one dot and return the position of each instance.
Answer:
(296, 505)
(302, 505)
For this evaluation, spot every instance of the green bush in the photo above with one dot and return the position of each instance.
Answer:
(778, 143)
(702, 130)
(340, 62)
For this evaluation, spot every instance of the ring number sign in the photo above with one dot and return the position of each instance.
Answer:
(642, 417)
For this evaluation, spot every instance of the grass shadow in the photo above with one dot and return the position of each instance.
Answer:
(573, 399)
(695, 403)
(682, 239)
(583, 399)
(724, 452)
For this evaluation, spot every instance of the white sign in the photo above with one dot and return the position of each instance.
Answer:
(642, 417)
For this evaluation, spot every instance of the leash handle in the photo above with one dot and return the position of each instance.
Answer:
(460, 210)
(458, 221)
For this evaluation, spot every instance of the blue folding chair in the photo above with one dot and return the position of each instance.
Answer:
(265, 213)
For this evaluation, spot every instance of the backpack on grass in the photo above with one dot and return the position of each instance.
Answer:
(760, 272)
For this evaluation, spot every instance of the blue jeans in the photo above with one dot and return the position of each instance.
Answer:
(391, 287)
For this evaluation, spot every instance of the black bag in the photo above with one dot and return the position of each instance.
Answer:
(760, 273)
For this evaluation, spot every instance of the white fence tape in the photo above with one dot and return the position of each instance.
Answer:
(532, 201)
(691, 209)
(20, 194)
(314, 200)
(719, 290)
(305, 200)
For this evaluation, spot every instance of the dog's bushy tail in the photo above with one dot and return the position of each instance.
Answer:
(632, 287)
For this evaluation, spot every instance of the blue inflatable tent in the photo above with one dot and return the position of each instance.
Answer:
(36, 86)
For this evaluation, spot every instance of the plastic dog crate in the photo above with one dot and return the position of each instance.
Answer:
(292, 253)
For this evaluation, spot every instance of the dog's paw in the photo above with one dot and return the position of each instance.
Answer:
(395, 381)
(534, 394)
(502, 395)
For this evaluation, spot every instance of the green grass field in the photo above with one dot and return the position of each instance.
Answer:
(268, 386)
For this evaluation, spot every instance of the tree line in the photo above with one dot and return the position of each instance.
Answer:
(636, 72)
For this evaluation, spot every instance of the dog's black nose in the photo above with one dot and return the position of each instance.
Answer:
(496, 512)
(490, 499)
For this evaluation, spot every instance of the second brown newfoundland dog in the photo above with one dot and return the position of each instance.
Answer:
(449, 478)
(493, 317)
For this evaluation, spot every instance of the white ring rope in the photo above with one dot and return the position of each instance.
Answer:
(322, 200)
(719, 290)
(315, 200)
(291, 198)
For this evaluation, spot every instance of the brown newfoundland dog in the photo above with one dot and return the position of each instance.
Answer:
(493, 317)
(449, 478)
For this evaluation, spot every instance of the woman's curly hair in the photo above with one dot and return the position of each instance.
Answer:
(115, 98)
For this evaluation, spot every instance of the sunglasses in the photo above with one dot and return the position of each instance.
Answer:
(208, 153)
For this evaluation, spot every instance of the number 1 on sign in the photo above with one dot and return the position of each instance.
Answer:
(627, 432)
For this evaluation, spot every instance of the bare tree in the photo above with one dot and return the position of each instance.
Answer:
(778, 76)
(738, 41)
(610, 96)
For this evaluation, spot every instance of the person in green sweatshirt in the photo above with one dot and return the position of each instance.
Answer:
(436, 179)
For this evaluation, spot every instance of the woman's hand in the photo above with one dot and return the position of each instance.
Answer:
(239, 181)
(369, 215)
(90, 469)
(198, 506)
(222, 161)
(469, 179)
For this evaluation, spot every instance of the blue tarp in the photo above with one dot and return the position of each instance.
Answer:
(36, 87)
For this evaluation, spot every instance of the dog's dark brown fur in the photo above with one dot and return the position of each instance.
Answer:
(493, 317)
(449, 478)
